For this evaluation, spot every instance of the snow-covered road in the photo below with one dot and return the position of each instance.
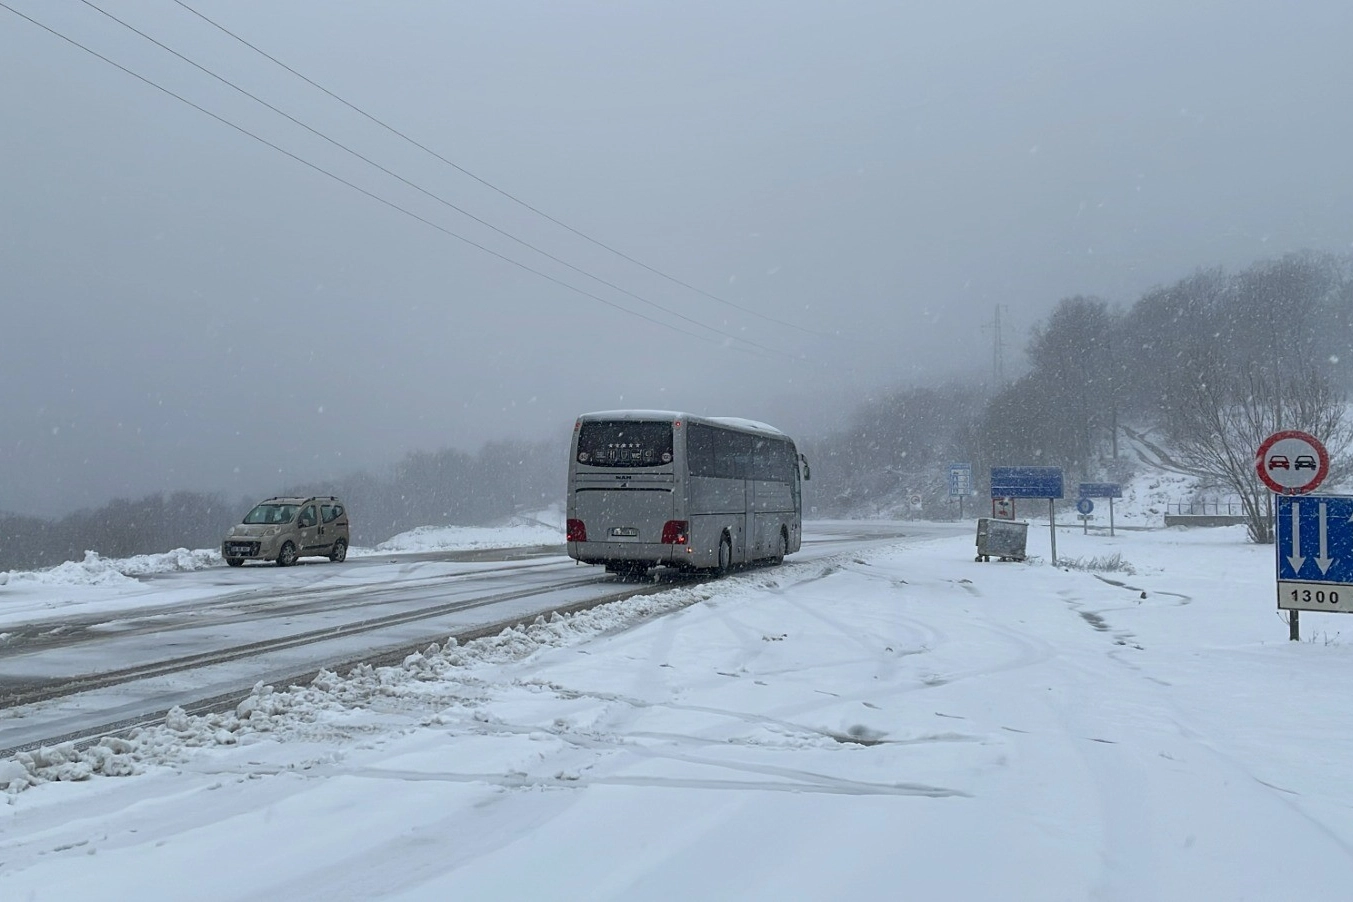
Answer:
(896, 723)
(121, 655)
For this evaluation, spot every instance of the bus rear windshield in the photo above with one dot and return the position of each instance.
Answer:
(624, 443)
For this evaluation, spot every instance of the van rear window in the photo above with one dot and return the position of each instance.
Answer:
(625, 443)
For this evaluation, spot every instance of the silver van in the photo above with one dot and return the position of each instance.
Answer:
(286, 529)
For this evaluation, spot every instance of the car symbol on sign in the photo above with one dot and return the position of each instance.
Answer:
(1306, 462)
(1280, 462)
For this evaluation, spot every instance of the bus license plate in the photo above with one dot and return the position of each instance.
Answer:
(625, 532)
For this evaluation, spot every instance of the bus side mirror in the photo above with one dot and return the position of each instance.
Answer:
(807, 474)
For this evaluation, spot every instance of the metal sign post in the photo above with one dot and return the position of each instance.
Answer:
(1110, 490)
(1313, 541)
(1031, 482)
(1085, 507)
(960, 484)
(1292, 463)
(1052, 531)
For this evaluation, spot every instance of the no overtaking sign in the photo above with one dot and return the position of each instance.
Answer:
(1312, 532)
(1292, 462)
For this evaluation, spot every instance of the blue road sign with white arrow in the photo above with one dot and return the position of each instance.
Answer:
(1314, 538)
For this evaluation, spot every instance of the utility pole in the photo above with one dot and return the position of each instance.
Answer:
(997, 349)
(1113, 411)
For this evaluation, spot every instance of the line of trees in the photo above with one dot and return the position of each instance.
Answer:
(1207, 367)
(1198, 372)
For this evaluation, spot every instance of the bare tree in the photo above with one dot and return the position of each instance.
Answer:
(1220, 418)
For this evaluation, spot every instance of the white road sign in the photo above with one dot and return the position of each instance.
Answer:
(1292, 462)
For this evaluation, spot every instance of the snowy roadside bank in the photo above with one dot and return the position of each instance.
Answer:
(97, 570)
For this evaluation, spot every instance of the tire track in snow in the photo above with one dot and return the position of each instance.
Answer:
(797, 782)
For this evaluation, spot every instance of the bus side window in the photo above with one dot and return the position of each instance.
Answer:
(785, 464)
(742, 456)
(725, 454)
(700, 451)
(763, 462)
(719, 452)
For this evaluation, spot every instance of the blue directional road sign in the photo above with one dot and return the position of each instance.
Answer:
(960, 480)
(1315, 552)
(1026, 482)
(1085, 506)
(1101, 490)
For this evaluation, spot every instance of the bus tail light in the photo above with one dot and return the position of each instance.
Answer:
(674, 533)
(577, 531)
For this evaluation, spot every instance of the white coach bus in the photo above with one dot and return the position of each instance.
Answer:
(648, 487)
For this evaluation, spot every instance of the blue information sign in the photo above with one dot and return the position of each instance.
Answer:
(1026, 482)
(1315, 540)
(1101, 490)
(1085, 506)
(960, 480)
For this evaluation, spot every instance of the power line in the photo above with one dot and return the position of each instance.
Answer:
(343, 181)
(419, 188)
(487, 184)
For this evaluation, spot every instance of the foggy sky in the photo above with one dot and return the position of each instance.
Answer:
(184, 307)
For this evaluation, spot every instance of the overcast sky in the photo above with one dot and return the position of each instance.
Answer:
(857, 183)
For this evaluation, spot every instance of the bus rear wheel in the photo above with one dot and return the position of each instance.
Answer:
(725, 555)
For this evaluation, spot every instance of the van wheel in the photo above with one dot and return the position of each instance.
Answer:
(339, 552)
(235, 561)
(725, 555)
(287, 556)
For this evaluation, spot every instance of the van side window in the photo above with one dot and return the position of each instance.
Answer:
(328, 512)
(307, 517)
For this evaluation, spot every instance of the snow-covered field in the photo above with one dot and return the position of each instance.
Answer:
(534, 531)
(905, 723)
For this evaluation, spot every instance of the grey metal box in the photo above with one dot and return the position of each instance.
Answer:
(1002, 539)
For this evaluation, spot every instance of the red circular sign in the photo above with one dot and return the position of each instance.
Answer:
(1292, 462)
